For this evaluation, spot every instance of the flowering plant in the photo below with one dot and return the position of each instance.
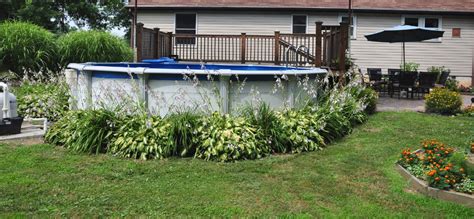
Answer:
(443, 101)
(434, 157)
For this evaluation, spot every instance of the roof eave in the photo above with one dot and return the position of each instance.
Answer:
(371, 10)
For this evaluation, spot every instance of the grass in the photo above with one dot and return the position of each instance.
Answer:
(353, 177)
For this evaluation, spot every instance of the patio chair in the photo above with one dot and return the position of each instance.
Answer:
(442, 79)
(407, 82)
(375, 79)
(426, 81)
(393, 80)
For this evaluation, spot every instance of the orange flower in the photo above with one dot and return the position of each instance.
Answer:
(437, 179)
(431, 173)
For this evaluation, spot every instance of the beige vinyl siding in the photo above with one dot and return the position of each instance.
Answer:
(454, 53)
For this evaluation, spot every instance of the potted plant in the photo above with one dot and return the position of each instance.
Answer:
(410, 67)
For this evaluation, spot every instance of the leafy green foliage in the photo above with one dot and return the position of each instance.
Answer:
(442, 166)
(83, 131)
(57, 16)
(42, 100)
(93, 46)
(255, 134)
(227, 138)
(443, 101)
(142, 137)
(182, 130)
(27, 49)
(452, 84)
(304, 128)
(270, 127)
(466, 186)
(410, 67)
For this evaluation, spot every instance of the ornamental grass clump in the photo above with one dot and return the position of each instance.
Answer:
(93, 46)
(443, 101)
(182, 132)
(270, 126)
(83, 131)
(27, 50)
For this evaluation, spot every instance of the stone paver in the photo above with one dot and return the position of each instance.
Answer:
(403, 104)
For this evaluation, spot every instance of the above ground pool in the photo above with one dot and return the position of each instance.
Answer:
(169, 86)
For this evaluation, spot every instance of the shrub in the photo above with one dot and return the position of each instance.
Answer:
(42, 100)
(443, 101)
(93, 46)
(226, 138)
(83, 131)
(27, 49)
(270, 126)
(142, 137)
(452, 84)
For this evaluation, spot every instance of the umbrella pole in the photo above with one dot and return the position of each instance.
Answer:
(404, 56)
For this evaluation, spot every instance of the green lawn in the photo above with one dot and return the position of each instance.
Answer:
(353, 177)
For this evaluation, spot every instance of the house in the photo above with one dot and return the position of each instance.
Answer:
(456, 17)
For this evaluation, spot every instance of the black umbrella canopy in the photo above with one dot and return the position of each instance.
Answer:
(404, 33)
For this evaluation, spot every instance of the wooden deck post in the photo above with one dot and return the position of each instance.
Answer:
(139, 41)
(343, 36)
(318, 58)
(243, 47)
(156, 46)
(277, 48)
(170, 44)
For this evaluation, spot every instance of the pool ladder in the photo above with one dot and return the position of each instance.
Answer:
(304, 49)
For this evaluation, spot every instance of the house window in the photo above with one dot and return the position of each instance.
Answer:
(185, 24)
(434, 23)
(426, 22)
(299, 23)
(352, 25)
(411, 21)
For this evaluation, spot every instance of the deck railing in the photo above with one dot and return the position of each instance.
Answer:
(327, 46)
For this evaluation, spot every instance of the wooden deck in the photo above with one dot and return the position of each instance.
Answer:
(326, 47)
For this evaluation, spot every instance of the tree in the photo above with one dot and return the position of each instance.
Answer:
(57, 15)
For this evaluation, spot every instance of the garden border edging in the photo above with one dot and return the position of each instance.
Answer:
(423, 188)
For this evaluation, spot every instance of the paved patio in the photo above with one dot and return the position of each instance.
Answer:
(395, 104)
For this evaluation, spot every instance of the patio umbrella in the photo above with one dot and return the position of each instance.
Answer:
(404, 33)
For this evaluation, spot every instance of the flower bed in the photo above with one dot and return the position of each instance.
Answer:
(438, 166)
(257, 133)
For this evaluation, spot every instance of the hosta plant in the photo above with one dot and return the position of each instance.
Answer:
(142, 137)
(227, 138)
(303, 128)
